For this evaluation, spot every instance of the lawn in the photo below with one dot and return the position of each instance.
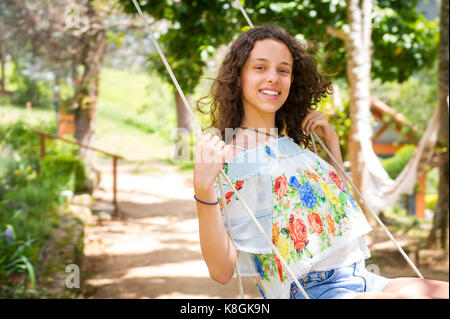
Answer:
(136, 115)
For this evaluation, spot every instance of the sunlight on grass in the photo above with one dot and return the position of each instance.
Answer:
(12, 114)
(133, 109)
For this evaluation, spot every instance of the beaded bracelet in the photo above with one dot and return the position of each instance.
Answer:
(200, 201)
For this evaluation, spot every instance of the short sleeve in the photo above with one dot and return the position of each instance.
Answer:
(257, 193)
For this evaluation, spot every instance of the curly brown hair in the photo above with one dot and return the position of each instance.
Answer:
(308, 87)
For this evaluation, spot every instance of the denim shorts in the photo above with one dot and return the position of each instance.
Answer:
(340, 283)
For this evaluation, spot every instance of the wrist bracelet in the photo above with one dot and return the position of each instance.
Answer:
(206, 203)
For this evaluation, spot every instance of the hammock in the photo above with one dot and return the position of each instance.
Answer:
(378, 188)
(313, 136)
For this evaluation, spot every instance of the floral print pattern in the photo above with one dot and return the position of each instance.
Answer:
(237, 185)
(311, 210)
(311, 205)
(269, 152)
(306, 194)
(280, 187)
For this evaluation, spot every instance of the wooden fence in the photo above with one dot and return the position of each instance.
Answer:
(115, 158)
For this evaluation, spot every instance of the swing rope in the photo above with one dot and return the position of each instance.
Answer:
(227, 216)
(366, 204)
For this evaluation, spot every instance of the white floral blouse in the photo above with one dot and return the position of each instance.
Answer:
(301, 204)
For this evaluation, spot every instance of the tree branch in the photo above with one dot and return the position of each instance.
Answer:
(337, 33)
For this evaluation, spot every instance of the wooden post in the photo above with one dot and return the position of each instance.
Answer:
(116, 211)
(420, 196)
(44, 135)
(42, 139)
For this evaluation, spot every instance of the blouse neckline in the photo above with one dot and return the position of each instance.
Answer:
(258, 147)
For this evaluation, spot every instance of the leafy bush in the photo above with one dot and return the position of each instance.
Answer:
(22, 142)
(395, 164)
(67, 170)
(431, 200)
(29, 193)
(28, 216)
(16, 271)
(38, 92)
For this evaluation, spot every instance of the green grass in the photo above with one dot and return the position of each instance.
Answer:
(135, 115)
(13, 113)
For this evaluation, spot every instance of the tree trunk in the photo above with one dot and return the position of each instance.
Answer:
(358, 48)
(183, 145)
(2, 59)
(87, 90)
(439, 231)
(184, 120)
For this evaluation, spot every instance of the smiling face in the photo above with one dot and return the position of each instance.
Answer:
(266, 79)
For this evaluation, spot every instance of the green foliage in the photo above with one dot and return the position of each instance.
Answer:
(30, 90)
(23, 142)
(395, 164)
(196, 29)
(339, 119)
(431, 201)
(415, 98)
(432, 183)
(29, 194)
(148, 118)
(67, 171)
(17, 276)
(28, 215)
(403, 40)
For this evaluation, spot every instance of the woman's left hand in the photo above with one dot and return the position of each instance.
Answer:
(317, 122)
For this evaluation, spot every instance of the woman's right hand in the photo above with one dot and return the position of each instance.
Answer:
(210, 153)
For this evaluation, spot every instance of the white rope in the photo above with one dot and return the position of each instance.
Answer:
(313, 143)
(225, 208)
(249, 22)
(198, 129)
(366, 204)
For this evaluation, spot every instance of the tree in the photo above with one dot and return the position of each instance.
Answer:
(194, 30)
(439, 231)
(2, 58)
(68, 39)
(358, 44)
(92, 51)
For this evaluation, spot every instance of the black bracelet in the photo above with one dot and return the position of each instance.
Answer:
(200, 201)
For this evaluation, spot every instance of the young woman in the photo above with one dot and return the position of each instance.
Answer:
(268, 84)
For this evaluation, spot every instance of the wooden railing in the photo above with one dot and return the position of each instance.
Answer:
(115, 157)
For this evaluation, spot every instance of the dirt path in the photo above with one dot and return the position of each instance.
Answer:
(154, 250)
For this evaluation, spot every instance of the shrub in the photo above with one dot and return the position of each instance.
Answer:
(29, 193)
(395, 164)
(36, 91)
(431, 200)
(68, 171)
(16, 270)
